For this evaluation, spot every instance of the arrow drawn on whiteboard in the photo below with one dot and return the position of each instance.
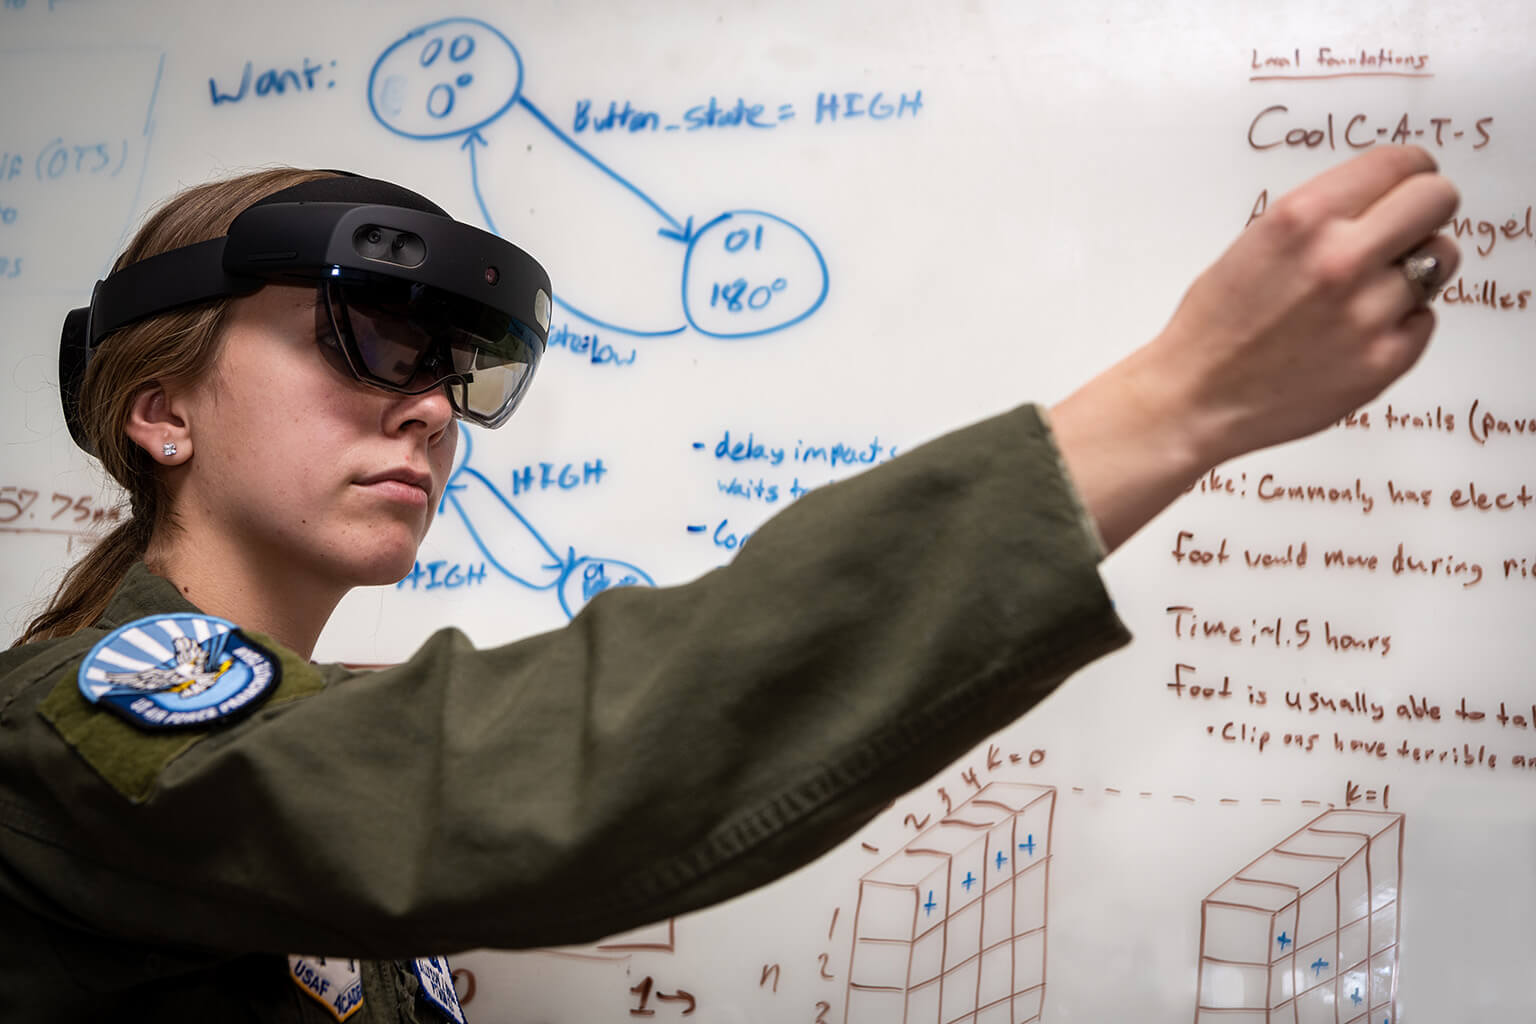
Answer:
(744, 273)
(679, 232)
(469, 143)
(516, 549)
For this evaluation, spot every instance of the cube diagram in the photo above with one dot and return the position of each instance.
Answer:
(951, 928)
(1307, 933)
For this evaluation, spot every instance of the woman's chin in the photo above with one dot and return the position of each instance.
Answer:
(384, 567)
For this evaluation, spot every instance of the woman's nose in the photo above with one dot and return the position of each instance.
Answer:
(429, 411)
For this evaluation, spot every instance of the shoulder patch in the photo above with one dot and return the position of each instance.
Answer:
(333, 983)
(129, 757)
(436, 979)
(178, 671)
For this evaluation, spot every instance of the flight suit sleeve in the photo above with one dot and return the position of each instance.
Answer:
(667, 750)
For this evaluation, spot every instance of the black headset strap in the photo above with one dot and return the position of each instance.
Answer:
(180, 277)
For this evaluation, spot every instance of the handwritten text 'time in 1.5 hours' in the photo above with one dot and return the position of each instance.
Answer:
(627, 117)
(1278, 632)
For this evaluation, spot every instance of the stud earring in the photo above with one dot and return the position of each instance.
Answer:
(168, 449)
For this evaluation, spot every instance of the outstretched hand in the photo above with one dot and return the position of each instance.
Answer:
(1306, 317)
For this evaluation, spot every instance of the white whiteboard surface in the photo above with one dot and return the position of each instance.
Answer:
(1021, 196)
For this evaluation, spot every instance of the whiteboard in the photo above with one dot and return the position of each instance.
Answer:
(789, 241)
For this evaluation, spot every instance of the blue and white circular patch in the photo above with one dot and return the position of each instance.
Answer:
(178, 671)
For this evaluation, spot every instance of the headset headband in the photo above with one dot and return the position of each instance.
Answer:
(309, 232)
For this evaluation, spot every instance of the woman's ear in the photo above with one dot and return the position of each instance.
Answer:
(156, 425)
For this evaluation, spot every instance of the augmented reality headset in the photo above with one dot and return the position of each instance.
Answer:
(409, 298)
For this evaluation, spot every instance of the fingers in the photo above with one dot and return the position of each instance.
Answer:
(1388, 296)
(1446, 253)
(1368, 212)
(1362, 218)
(1405, 216)
(1398, 349)
(1349, 189)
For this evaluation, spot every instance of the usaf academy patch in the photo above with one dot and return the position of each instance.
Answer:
(178, 671)
(333, 983)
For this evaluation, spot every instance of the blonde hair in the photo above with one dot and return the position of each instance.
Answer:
(173, 347)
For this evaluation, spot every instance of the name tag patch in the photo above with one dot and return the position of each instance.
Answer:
(177, 672)
(332, 982)
(436, 979)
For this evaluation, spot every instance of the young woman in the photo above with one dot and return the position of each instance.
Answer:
(196, 822)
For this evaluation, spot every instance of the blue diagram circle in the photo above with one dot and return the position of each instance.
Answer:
(749, 273)
(585, 578)
(450, 77)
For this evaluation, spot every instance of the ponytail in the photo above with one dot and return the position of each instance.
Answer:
(173, 347)
(89, 583)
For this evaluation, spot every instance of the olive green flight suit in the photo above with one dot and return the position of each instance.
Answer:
(665, 751)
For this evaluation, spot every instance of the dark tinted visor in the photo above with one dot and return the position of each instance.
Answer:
(409, 337)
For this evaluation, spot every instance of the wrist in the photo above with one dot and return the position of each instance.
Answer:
(1131, 442)
(1182, 428)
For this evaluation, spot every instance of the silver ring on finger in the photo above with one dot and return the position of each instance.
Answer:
(1422, 271)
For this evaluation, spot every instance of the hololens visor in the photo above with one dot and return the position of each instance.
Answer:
(411, 298)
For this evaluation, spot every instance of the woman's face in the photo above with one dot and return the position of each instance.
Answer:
(297, 462)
